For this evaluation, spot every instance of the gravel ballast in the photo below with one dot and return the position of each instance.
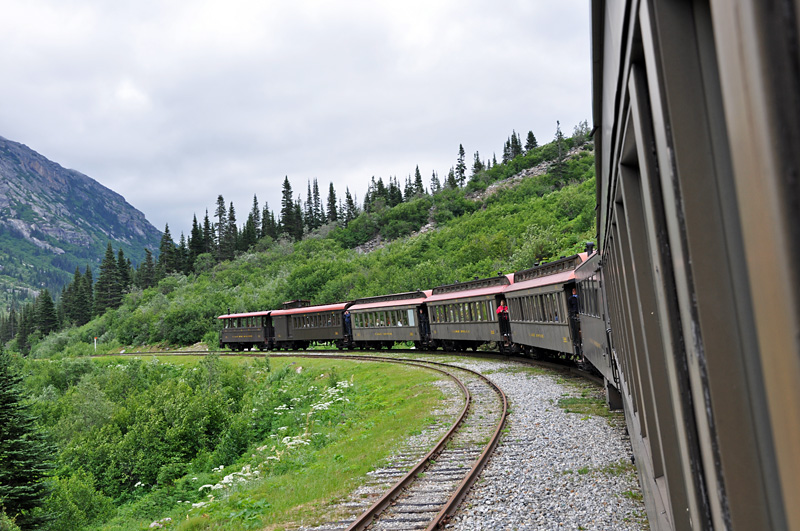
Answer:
(552, 469)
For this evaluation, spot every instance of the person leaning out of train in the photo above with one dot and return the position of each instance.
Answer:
(502, 314)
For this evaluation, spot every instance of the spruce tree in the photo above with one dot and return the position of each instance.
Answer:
(530, 142)
(461, 167)
(208, 235)
(146, 274)
(25, 456)
(46, 317)
(477, 165)
(298, 224)
(318, 210)
(419, 187)
(108, 292)
(84, 299)
(197, 245)
(287, 222)
(333, 214)
(222, 223)
(256, 214)
(436, 185)
(166, 254)
(231, 234)
(124, 272)
(350, 211)
(452, 181)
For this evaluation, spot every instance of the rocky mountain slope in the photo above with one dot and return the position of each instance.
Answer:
(53, 219)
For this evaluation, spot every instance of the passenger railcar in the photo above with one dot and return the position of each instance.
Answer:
(697, 113)
(297, 328)
(464, 315)
(385, 320)
(245, 331)
(538, 308)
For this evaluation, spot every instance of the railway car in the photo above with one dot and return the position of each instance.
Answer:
(464, 315)
(385, 320)
(538, 311)
(246, 331)
(298, 327)
(594, 327)
(697, 117)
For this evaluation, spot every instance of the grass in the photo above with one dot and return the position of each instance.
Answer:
(392, 401)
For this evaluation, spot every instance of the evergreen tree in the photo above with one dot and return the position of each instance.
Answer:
(255, 213)
(84, 299)
(581, 133)
(46, 318)
(419, 187)
(208, 235)
(298, 216)
(124, 272)
(146, 274)
(166, 255)
(318, 210)
(530, 142)
(25, 328)
(108, 292)
(222, 224)
(231, 235)
(333, 214)
(394, 195)
(25, 456)
(409, 190)
(197, 245)
(308, 210)
(287, 222)
(461, 167)
(451, 182)
(350, 210)
(477, 165)
(515, 146)
(182, 256)
(436, 185)
(494, 159)
(507, 151)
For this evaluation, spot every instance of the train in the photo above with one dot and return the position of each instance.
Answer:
(527, 312)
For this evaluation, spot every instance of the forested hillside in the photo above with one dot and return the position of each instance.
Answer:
(492, 224)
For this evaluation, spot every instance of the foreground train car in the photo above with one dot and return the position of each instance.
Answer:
(697, 110)
(383, 321)
(464, 315)
(538, 308)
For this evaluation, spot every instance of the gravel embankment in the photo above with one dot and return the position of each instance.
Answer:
(552, 470)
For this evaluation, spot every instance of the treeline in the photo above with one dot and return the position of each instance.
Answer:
(81, 300)
(219, 237)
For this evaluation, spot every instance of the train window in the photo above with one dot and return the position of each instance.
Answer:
(492, 311)
(483, 310)
(408, 319)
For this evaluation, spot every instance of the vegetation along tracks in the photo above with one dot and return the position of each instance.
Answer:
(430, 488)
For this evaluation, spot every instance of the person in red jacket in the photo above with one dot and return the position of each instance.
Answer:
(502, 315)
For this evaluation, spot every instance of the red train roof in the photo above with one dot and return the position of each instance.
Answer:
(312, 309)
(251, 314)
(492, 290)
(557, 278)
(387, 304)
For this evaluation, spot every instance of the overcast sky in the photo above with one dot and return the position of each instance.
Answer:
(173, 102)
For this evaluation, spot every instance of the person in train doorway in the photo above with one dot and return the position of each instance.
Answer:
(502, 316)
(347, 325)
(424, 323)
(573, 306)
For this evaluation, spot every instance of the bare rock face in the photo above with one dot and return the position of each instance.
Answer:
(52, 217)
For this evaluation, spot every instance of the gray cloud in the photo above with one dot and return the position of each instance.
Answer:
(172, 103)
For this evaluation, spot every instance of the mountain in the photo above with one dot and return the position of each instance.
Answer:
(53, 219)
